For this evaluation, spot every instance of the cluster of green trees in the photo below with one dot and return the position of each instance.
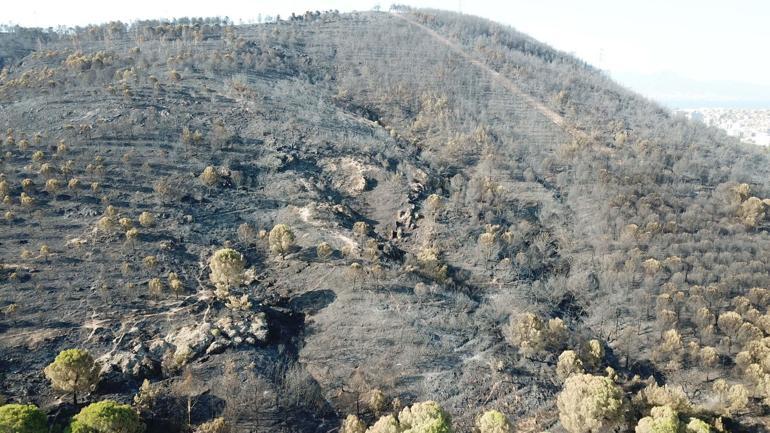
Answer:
(101, 417)
(587, 403)
(74, 372)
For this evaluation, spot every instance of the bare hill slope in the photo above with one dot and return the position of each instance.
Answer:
(461, 174)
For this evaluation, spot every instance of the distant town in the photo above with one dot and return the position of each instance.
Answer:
(750, 125)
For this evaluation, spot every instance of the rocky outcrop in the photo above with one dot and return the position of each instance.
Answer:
(348, 175)
(189, 342)
(124, 366)
(235, 332)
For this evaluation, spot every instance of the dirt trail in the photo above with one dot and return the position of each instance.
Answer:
(551, 115)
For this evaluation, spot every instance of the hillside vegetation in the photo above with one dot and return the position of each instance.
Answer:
(406, 221)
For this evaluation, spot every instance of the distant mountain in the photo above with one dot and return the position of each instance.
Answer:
(679, 92)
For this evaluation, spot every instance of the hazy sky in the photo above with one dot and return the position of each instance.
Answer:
(655, 46)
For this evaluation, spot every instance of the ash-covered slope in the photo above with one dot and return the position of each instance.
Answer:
(495, 176)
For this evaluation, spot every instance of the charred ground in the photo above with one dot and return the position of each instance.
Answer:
(495, 175)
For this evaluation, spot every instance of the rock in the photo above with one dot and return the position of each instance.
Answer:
(190, 342)
(258, 327)
(158, 347)
(123, 366)
(216, 347)
(347, 174)
(251, 330)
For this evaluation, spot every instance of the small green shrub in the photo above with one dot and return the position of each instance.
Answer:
(107, 417)
(493, 421)
(323, 251)
(132, 235)
(150, 262)
(26, 200)
(73, 371)
(209, 177)
(662, 419)
(175, 284)
(216, 425)
(425, 417)
(126, 223)
(227, 267)
(589, 404)
(568, 364)
(22, 418)
(146, 219)
(361, 228)
(281, 239)
(155, 286)
(697, 426)
(430, 264)
(52, 186)
(352, 424)
(386, 424)
(377, 401)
